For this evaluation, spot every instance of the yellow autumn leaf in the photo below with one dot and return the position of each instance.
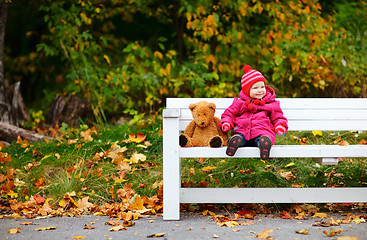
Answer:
(289, 164)
(14, 230)
(120, 180)
(116, 153)
(78, 237)
(229, 224)
(107, 59)
(208, 169)
(136, 157)
(317, 133)
(12, 194)
(158, 55)
(320, 215)
(168, 69)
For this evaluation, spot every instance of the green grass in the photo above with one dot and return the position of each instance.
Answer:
(69, 164)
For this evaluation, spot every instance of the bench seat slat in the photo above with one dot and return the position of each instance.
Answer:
(314, 125)
(272, 195)
(279, 151)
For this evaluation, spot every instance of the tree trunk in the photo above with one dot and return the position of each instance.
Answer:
(5, 107)
(68, 109)
(10, 133)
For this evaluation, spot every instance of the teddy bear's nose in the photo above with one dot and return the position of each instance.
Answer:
(202, 123)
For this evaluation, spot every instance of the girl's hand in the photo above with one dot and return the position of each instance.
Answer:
(226, 127)
(280, 130)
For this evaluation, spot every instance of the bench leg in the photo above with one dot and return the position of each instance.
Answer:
(326, 161)
(171, 170)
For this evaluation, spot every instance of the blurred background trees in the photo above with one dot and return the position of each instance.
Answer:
(126, 57)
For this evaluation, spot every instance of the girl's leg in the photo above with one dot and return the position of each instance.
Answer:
(264, 144)
(234, 143)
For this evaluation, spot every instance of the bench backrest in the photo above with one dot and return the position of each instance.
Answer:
(303, 114)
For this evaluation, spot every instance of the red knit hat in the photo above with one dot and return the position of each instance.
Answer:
(250, 78)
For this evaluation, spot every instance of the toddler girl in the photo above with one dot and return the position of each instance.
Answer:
(255, 117)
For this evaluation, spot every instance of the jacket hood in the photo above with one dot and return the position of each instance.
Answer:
(269, 96)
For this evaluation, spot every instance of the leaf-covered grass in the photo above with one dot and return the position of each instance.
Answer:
(99, 162)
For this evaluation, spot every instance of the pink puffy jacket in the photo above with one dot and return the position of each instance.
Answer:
(254, 118)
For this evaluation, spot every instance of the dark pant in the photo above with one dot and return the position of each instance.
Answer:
(249, 143)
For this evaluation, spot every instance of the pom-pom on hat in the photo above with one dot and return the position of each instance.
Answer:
(250, 78)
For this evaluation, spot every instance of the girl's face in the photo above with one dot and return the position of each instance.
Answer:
(258, 90)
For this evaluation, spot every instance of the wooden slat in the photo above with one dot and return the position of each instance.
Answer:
(314, 125)
(279, 151)
(296, 103)
(273, 195)
(312, 114)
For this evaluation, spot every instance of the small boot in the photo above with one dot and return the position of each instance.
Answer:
(233, 144)
(264, 146)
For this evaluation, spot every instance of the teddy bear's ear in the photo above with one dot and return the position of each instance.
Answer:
(192, 106)
(212, 105)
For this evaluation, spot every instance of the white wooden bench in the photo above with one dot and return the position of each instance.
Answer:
(303, 114)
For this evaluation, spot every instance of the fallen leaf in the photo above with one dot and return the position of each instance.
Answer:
(86, 226)
(14, 230)
(206, 212)
(333, 232)
(156, 235)
(343, 143)
(86, 135)
(138, 138)
(303, 231)
(289, 164)
(46, 209)
(113, 223)
(229, 224)
(136, 157)
(207, 169)
(285, 215)
(84, 204)
(4, 158)
(358, 220)
(116, 153)
(78, 237)
(26, 223)
(246, 223)
(287, 175)
(45, 228)
(264, 234)
(320, 215)
(247, 214)
(117, 228)
(317, 133)
(348, 238)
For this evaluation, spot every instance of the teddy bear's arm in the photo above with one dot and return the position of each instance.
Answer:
(189, 131)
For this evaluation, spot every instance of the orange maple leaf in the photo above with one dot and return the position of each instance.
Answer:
(137, 205)
(127, 192)
(84, 204)
(138, 138)
(264, 234)
(38, 199)
(23, 143)
(46, 209)
(4, 158)
(41, 182)
(285, 215)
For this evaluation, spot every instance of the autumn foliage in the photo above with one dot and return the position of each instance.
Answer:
(304, 48)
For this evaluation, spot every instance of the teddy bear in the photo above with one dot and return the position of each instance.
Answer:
(203, 131)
